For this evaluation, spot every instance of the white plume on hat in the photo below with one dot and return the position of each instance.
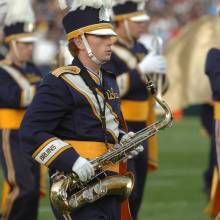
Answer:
(91, 3)
(104, 5)
(3, 11)
(19, 11)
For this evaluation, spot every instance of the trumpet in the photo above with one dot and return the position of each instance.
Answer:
(69, 193)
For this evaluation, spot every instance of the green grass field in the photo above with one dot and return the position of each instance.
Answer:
(174, 192)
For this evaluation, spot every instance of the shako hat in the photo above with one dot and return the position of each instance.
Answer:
(88, 16)
(133, 10)
(19, 22)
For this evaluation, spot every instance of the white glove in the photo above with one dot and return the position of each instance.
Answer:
(153, 63)
(125, 139)
(84, 169)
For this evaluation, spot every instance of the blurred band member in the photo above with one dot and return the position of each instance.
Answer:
(18, 82)
(212, 69)
(131, 60)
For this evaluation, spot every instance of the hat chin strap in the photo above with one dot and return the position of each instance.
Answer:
(89, 51)
(15, 49)
(128, 31)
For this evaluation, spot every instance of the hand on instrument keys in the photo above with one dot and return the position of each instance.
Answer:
(153, 63)
(137, 150)
(84, 169)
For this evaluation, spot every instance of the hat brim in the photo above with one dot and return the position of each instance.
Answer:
(30, 39)
(103, 32)
(140, 18)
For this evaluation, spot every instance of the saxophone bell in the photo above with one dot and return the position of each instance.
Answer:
(68, 194)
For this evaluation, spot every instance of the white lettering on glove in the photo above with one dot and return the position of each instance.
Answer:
(84, 169)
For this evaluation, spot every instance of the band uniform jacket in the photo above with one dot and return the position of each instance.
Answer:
(212, 69)
(17, 89)
(64, 120)
(137, 106)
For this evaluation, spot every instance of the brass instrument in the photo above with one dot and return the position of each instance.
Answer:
(156, 45)
(160, 80)
(68, 192)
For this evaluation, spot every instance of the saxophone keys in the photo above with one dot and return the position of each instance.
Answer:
(73, 202)
(63, 195)
(100, 189)
(88, 195)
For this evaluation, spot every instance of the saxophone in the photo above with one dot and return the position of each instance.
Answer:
(69, 193)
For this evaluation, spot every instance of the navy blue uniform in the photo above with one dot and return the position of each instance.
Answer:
(213, 72)
(64, 122)
(212, 69)
(135, 108)
(17, 88)
(1, 57)
(208, 123)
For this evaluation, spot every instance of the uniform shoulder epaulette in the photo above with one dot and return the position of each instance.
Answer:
(66, 69)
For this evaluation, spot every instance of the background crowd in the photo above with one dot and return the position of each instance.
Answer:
(167, 19)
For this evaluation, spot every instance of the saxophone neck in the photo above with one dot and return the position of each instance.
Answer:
(168, 118)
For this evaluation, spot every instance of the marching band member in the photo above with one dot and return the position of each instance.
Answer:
(212, 69)
(131, 61)
(75, 115)
(18, 82)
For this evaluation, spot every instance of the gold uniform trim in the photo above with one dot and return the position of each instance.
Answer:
(93, 107)
(66, 69)
(135, 110)
(11, 118)
(128, 15)
(5, 62)
(87, 29)
(153, 161)
(56, 155)
(92, 150)
(95, 78)
(17, 36)
(85, 95)
(217, 110)
(42, 146)
(11, 197)
(109, 107)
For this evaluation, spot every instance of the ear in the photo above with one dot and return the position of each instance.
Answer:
(78, 42)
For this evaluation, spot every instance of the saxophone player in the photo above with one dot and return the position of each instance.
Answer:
(133, 61)
(75, 115)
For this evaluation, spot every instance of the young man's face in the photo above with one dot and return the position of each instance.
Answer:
(137, 28)
(25, 51)
(101, 46)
